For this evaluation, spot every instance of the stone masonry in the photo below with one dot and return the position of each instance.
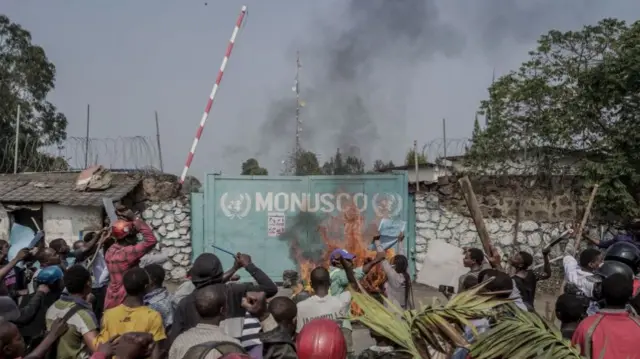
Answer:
(441, 213)
(171, 223)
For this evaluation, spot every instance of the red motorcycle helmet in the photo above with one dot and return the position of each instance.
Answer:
(321, 339)
(235, 356)
(121, 229)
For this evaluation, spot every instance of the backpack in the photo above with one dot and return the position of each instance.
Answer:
(200, 351)
(53, 349)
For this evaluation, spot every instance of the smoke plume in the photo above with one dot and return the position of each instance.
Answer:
(347, 105)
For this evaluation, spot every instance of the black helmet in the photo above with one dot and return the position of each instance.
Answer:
(626, 253)
(611, 267)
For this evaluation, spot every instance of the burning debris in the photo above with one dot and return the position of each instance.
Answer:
(312, 239)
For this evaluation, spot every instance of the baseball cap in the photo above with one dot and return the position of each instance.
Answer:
(343, 253)
(49, 275)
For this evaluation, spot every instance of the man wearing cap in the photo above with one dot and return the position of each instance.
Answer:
(339, 283)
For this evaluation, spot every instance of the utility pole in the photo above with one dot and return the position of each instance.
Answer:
(416, 165)
(297, 90)
(158, 140)
(15, 154)
(444, 137)
(86, 140)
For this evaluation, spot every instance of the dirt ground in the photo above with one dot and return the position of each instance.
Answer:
(422, 294)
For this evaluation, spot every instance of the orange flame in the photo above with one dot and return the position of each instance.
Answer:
(348, 231)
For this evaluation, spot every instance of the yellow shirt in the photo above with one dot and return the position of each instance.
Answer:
(122, 319)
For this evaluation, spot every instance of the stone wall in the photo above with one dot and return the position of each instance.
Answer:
(171, 223)
(542, 213)
(165, 206)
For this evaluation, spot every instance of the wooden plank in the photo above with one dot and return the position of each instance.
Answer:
(585, 217)
(476, 214)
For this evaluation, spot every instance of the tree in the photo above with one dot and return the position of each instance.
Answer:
(578, 93)
(251, 167)
(339, 165)
(380, 165)
(26, 78)
(410, 158)
(306, 164)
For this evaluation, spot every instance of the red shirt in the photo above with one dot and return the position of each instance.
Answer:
(636, 285)
(614, 331)
(120, 258)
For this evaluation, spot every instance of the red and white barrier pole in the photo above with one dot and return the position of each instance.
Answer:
(212, 96)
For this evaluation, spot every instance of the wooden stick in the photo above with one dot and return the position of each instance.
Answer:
(35, 223)
(476, 214)
(585, 217)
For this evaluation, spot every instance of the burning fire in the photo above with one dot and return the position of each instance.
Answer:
(348, 231)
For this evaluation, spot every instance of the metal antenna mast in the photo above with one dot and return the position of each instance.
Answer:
(297, 90)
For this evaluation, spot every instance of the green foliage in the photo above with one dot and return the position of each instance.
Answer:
(26, 78)
(523, 335)
(577, 96)
(410, 159)
(306, 164)
(380, 165)
(251, 167)
(340, 165)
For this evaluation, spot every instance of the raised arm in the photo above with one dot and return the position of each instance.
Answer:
(149, 241)
(546, 269)
(348, 269)
(95, 242)
(263, 282)
(23, 253)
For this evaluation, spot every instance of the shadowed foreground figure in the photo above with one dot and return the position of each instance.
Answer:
(206, 338)
(207, 270)
(613, 330)
(133, 345)
(278, 323)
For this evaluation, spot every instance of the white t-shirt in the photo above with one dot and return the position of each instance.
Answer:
(329, 307)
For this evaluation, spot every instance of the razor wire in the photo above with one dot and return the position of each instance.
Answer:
(130, 153)
(440, 148)
(527, 162)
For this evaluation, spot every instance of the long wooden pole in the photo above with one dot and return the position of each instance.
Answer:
(585, 217)
(476, 214)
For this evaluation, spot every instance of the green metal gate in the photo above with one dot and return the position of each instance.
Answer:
(257, 214)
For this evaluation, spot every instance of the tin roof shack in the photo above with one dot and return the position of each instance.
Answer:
(49, 201)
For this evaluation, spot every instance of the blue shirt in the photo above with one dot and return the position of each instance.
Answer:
(160, 300)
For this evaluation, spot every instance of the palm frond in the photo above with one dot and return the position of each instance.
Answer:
(523, 335)
(430, 329)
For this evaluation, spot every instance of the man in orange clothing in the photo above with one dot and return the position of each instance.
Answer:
(612, 333)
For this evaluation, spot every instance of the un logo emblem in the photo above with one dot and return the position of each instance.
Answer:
(235, 206)
(387, 205)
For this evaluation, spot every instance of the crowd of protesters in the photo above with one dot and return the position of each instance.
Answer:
(104, 297)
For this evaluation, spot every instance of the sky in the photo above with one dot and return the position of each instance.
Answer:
(376, 75)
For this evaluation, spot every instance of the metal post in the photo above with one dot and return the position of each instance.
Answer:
(297, 89)
(444, 136)
(15, 154)
(415, 160)
(158, 140)
(86, 140)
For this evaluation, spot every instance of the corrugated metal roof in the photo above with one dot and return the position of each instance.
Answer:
(59, 187)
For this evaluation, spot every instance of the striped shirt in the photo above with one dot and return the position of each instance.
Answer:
(199, 334)
(250, 332)
(71, 344)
